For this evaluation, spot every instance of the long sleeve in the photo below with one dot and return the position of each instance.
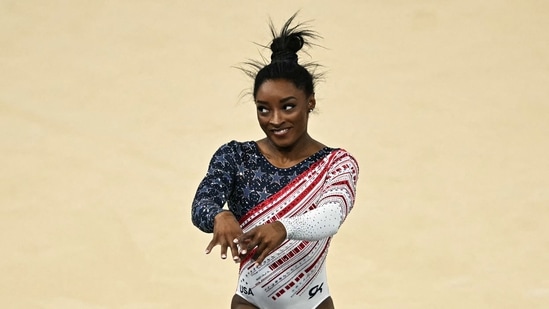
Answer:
(213, 191)
(333, 206)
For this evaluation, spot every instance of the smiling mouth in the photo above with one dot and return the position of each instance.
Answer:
(279, 132)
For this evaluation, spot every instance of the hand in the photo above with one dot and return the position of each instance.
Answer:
(226, 229)
(264, 239)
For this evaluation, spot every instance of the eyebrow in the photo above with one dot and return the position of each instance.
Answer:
(284, 100)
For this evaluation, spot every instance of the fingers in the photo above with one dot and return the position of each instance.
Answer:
(210, 246)
(260, 249)
(244, 238)
(226, 228)
(262, 252)
(243, 243)
(224, 247)
(234, 252)
(262, 239)
(223, 251)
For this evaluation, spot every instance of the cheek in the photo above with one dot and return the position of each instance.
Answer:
(261, 120)
(302, 119)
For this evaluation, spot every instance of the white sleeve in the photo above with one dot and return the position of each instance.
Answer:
(314, 225)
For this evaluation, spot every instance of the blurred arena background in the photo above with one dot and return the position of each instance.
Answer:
(110, 111)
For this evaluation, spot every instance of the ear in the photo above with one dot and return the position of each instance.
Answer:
(312, 102)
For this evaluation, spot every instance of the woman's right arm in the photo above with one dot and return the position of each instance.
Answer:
(207, 210)
(214, 189)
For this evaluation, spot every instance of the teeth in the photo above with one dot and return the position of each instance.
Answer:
(280, 132)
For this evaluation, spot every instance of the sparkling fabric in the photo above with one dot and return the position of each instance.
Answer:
(241, 177)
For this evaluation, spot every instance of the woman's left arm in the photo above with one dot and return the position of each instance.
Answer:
(335, 203)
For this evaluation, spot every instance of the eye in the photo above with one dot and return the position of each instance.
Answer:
(288, 107)
(262, 109)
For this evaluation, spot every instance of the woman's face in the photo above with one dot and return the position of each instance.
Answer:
(283, 112)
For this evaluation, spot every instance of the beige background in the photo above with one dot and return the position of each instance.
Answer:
(110, 111)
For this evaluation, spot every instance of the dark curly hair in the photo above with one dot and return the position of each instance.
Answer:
(284, 60)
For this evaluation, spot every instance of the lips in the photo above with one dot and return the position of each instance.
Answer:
(280, 132)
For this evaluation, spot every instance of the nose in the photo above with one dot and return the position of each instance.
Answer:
(276, 118)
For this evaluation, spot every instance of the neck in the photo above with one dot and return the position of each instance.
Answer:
(289, 156)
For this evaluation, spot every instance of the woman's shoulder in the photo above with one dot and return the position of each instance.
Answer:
(336, 151)
(341, 154)
(237, 147)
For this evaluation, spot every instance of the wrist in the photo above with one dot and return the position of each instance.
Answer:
(223, 214)
(279, 227)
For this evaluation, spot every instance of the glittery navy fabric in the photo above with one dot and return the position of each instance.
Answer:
(241, 177)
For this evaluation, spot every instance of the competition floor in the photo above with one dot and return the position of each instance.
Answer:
(110, 111)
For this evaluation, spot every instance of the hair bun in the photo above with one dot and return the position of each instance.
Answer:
(285, 48)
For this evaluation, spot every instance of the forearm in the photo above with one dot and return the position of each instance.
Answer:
(316, 224)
